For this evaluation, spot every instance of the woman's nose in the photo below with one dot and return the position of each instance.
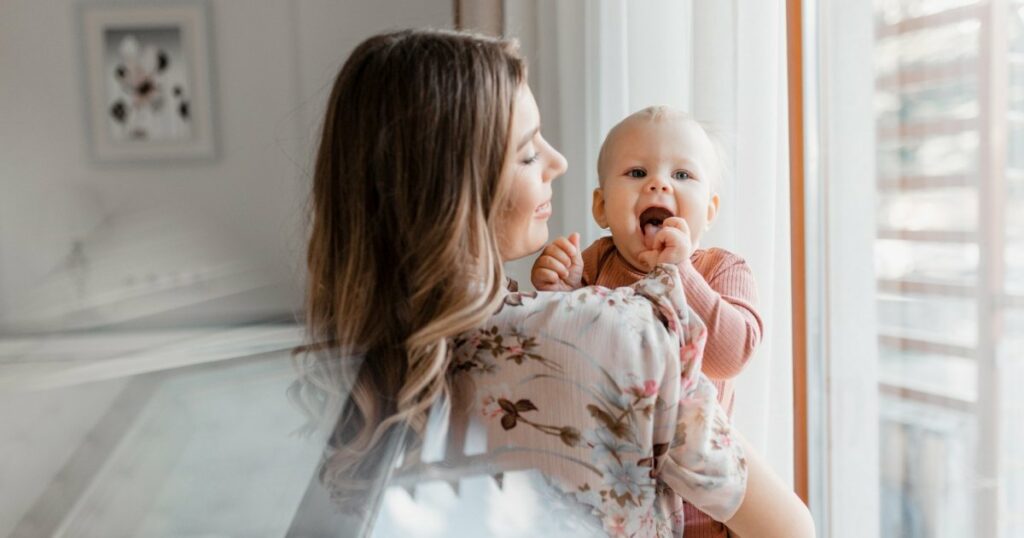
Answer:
(558, 165)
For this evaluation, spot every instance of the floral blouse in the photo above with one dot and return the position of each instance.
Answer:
(602, 391)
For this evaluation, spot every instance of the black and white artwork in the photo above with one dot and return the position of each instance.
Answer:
(147, 84)
(148, 74)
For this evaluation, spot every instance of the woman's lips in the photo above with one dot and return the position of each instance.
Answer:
(543, 211)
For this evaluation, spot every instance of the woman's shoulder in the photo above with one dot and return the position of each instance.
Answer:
(606, 306)
(587, 309)
(549, 348)
(560, 383)
(645, 319)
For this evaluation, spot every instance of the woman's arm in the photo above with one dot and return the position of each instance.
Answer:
(769, 508)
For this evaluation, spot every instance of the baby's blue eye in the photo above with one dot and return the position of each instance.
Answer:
(637, 172)
(680, 174)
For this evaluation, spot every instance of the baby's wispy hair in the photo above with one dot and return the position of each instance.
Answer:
(662, 113)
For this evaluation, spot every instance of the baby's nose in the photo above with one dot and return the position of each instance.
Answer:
(657, 185)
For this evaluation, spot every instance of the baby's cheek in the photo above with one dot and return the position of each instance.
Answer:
(627, 220)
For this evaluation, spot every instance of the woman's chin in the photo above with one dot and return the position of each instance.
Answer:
(538, 239)
(513, 253)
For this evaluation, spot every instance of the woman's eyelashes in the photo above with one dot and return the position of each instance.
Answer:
(535, 148)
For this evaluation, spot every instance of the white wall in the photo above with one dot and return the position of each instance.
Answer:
(273, 61)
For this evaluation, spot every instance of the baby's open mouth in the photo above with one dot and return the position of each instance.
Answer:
(651, 221)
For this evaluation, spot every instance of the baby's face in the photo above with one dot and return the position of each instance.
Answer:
(652, 170)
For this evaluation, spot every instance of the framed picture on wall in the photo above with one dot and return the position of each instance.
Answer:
(148, 80)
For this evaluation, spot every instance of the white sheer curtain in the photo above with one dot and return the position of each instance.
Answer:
(739, 89)
(594, 62)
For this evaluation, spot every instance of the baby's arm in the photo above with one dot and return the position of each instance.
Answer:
(560, 266)
(726, 302)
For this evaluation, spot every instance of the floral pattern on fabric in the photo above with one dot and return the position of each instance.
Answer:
(601, 389)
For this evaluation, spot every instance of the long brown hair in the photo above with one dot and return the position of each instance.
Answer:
(403, 252)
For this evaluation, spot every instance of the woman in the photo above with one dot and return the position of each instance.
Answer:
(431, 173)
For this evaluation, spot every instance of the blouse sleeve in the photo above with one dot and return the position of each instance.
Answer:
(602, 391)
(697, 455)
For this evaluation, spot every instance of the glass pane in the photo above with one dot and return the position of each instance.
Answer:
(935, 319)
(1016, 27)
(1012, 350)
(933, 156)
(928, 81)
(893, 11)
(1014, 251)
(1015, 267)
(953, 208)
(933, 373)
(950, 100)
(926, 470)
(947, 263)
(1017, 80)
(1012, 360)
(1015, 150)
(929, 47)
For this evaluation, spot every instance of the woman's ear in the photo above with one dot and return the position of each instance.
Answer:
(597, 208)
(712, 209)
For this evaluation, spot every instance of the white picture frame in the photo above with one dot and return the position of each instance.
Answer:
(148, 80)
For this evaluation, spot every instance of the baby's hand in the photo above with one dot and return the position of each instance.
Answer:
(560, 266)
(672, 244)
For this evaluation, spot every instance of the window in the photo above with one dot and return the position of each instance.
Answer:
(947, 141)
(915, 354)
(948, 250)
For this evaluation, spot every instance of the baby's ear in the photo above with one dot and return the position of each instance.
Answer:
(597, 208)
(713, 208)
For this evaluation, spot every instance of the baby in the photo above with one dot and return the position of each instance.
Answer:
(658, 172)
